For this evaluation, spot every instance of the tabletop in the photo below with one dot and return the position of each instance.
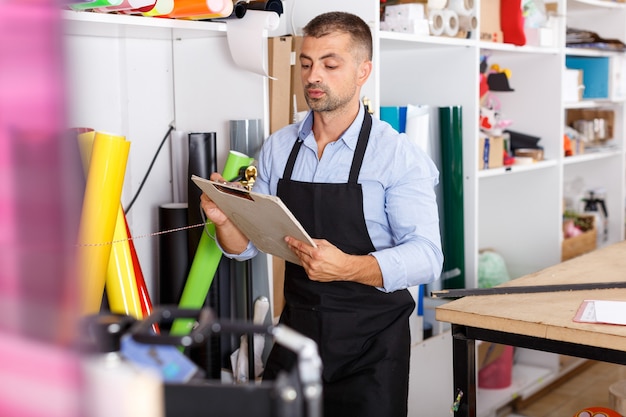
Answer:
(550, 315)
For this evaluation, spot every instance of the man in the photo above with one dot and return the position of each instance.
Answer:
(366, 195)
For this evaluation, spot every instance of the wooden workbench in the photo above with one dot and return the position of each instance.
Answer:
(541, 321)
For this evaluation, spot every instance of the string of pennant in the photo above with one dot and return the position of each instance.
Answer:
(153, 234)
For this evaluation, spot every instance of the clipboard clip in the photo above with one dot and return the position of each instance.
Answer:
(247, 176)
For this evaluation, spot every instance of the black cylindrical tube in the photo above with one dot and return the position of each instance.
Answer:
(202, 162)
(173, 253)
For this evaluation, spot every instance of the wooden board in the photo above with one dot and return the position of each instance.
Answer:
(549, 315)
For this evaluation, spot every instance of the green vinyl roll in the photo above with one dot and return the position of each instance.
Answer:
(206, 258)
(234, 162)
(453, 236)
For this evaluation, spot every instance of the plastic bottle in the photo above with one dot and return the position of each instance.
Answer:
(595, 204)
(114, 386)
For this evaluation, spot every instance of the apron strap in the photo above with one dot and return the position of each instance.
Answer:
(359, 152)
(292, 159)
(357, 159)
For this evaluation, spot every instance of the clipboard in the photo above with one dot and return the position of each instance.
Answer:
(264, 219)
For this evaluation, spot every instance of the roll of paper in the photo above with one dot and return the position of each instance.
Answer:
(468, 23)
(462, 7)
(247, 41)
(436, 22)
(450, 23)
(436, 4)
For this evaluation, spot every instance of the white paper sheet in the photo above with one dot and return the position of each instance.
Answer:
(602, 311)
(247, 39)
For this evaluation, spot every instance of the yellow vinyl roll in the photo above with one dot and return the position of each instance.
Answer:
(121, 282)
(103, 191)
(161, 7)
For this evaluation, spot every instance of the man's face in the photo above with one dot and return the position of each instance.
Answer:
(331, 75)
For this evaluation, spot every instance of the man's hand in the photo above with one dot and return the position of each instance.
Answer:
(231, 239)
(326, 263)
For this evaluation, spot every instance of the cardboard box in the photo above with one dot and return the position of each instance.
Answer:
(490, 152)
(572, 85)
(573, 115)
(298, 102)
(490, 29)
(581, 244)
(279, 67)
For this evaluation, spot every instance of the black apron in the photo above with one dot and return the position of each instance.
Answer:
(362, 333)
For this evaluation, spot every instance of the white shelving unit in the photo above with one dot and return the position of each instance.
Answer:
(516, 210)
(134, 75)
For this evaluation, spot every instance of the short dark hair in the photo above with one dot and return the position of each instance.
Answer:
(327, 23)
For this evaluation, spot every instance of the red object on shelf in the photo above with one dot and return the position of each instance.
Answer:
(498, 374)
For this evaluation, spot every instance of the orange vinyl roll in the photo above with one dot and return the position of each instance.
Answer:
(103, 191)
(225, 12)
(121, 285)
(189, 8)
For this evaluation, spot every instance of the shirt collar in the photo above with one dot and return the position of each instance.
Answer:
(350, 136)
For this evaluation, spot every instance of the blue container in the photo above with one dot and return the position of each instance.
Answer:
(595, 74)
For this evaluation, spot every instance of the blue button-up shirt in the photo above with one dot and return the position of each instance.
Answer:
(398, 181)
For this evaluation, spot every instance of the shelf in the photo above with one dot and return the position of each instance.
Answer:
(592, 156)
(134, 26)
(591, 52)
(527, 380)
(513, 169)
(524, 378)
(590, 104)
(508, 47)
(594, 4)
(393, 40)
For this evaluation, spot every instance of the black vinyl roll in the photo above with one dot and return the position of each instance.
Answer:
(267, 5)
(202, 162)
(173, 253)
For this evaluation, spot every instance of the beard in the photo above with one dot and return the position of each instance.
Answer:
(329, 102)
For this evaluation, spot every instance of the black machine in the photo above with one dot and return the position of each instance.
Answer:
(295, 393)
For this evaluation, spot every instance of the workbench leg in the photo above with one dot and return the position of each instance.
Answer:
(464, 370)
